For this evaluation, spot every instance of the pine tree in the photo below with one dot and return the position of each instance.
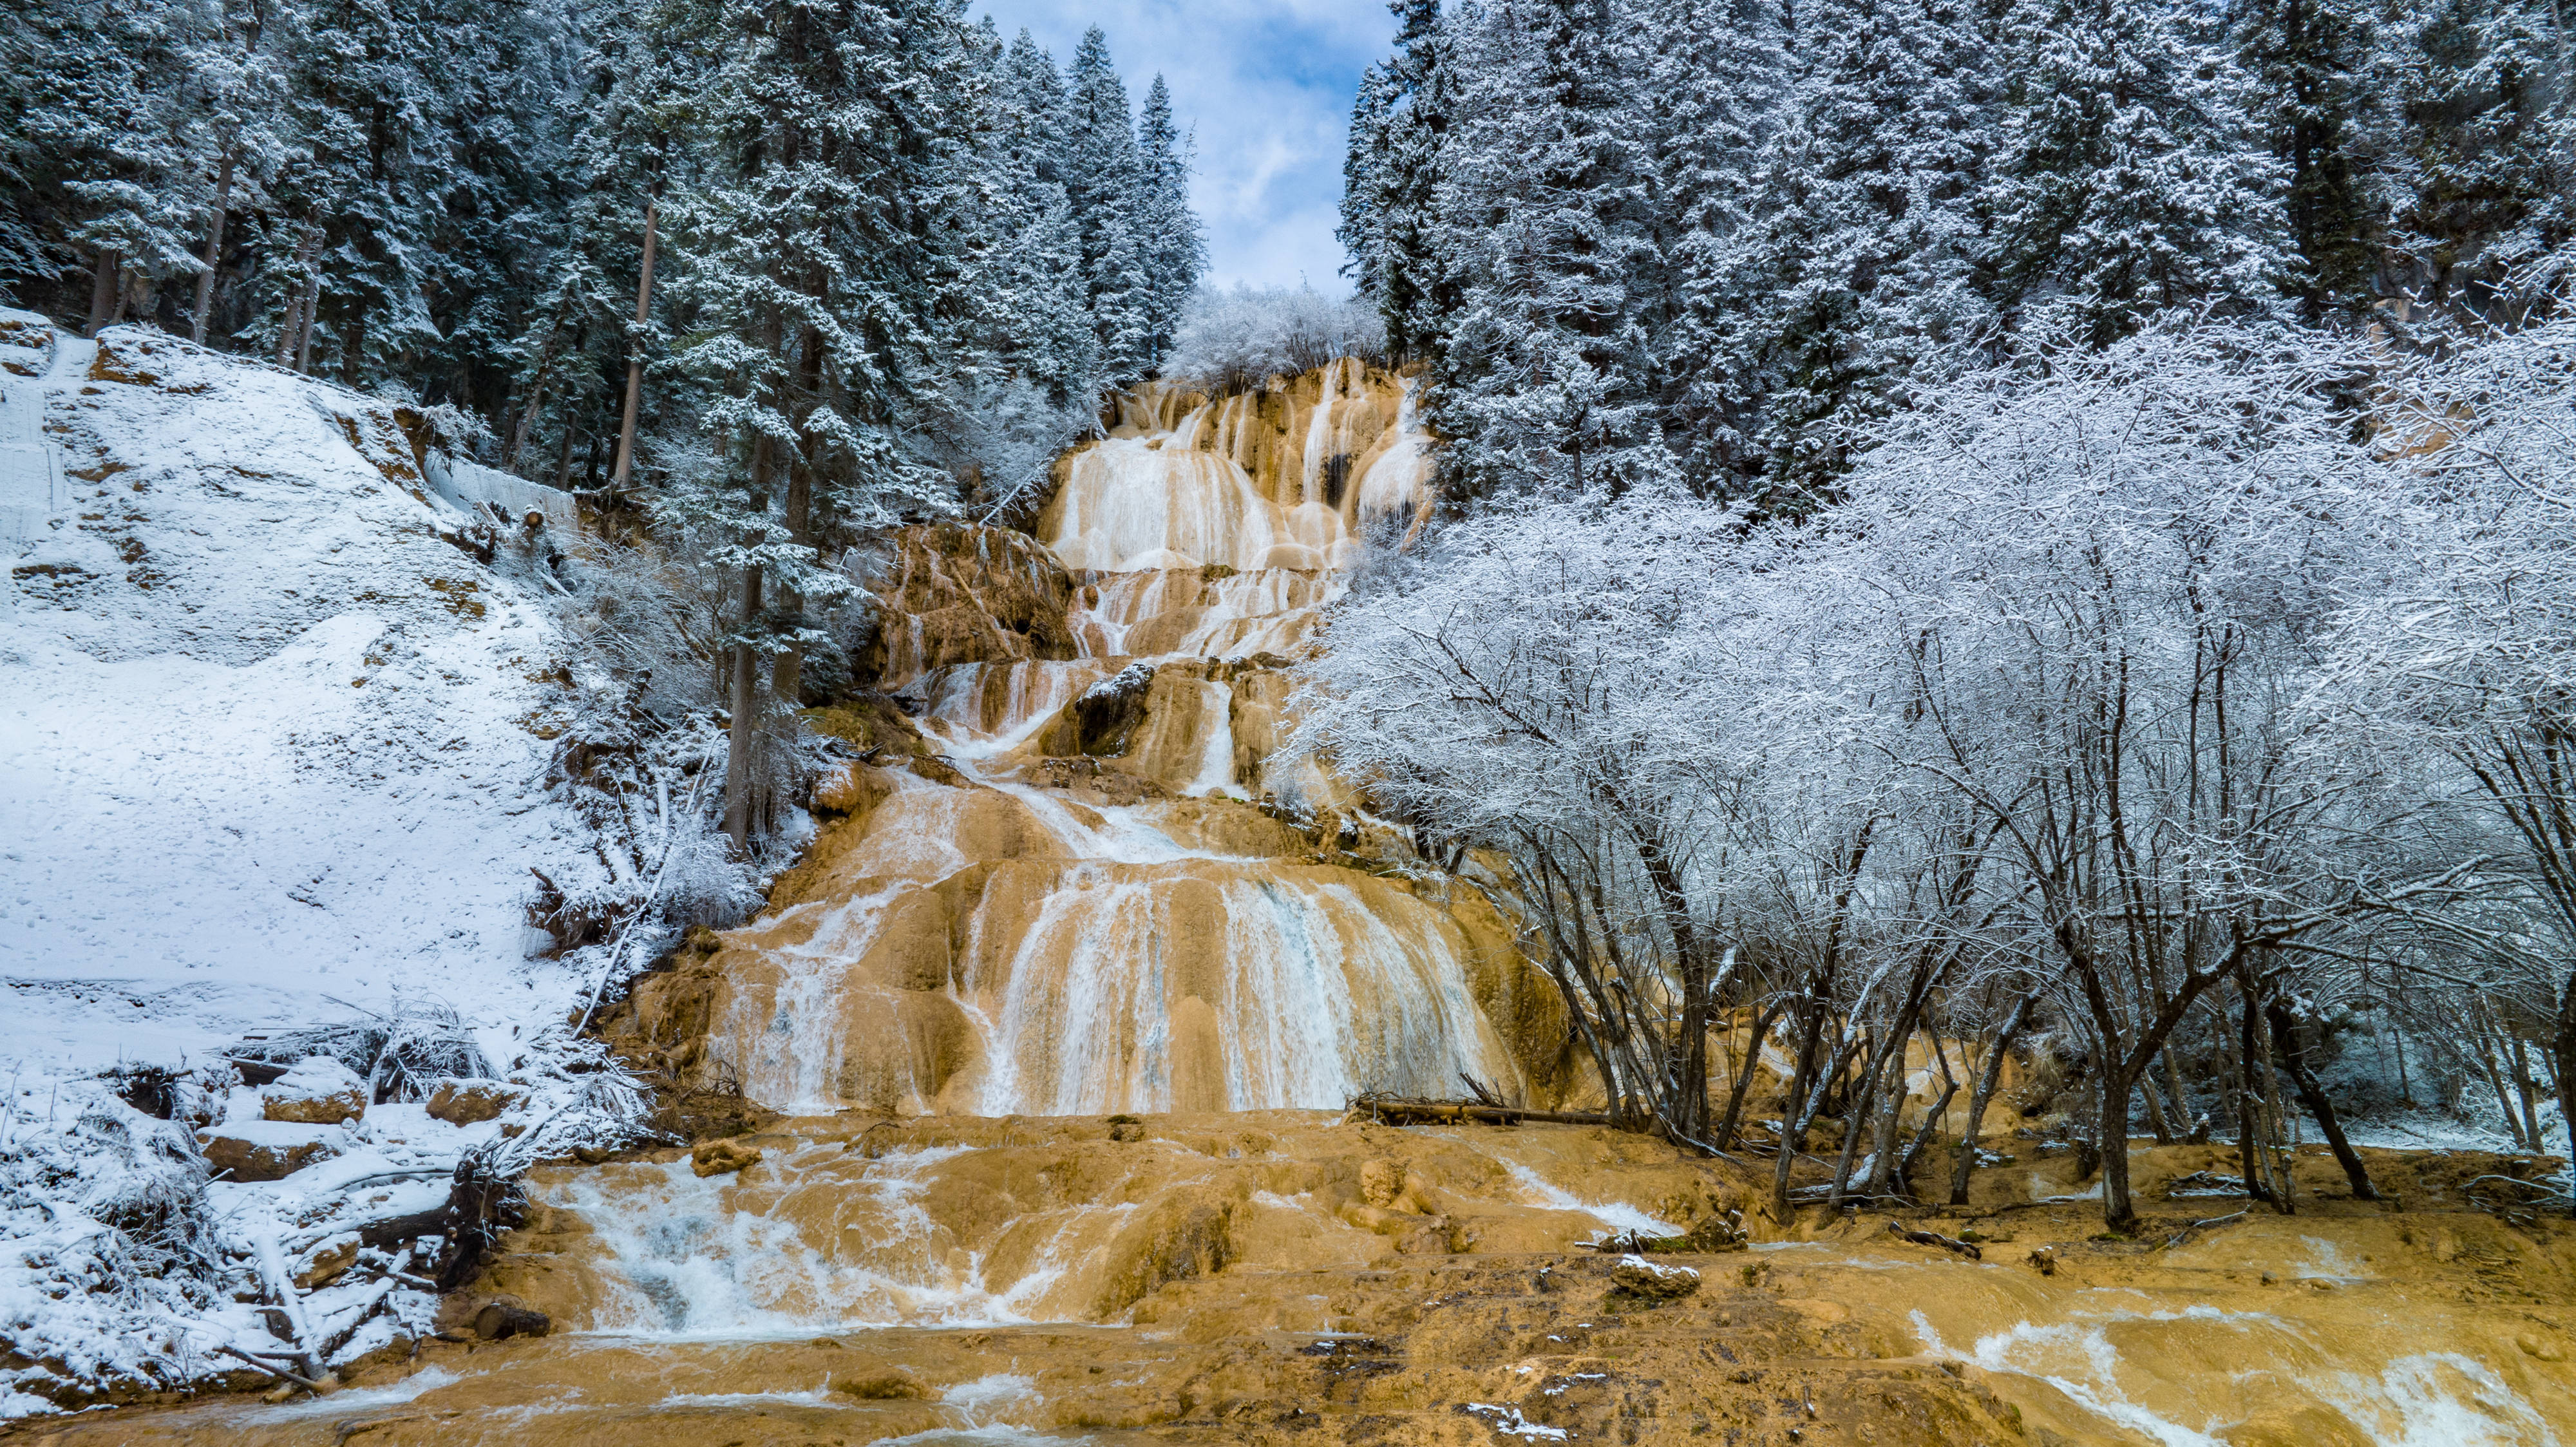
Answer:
(2482, 180)
(105, 146)
(1543, 368)
(1174, 251)
(2130, 179)
(814, 258)
(1099, 165)
(1392, 173)
(1037, 297)
(2309, 61)
(1871, 232)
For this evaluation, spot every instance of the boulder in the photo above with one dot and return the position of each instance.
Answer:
(319, 1090)
(1638, 1276)
(717, 1158)
(265, 1150)
(508, 1316)
(468, 1102)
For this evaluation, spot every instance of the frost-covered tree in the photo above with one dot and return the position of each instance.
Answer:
(1099, 165)
(2129, 179)
(1167, 230)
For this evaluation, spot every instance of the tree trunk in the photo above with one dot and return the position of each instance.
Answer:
(745, 705)
(1983, 1095)
(2562, 1048)
(635, 361)
(2295, 1056)
(1791, 1133)
(788, 675)
(1763, 1020)
(2119, 1212)
(103, 290)
(214, 251)
(312, 304)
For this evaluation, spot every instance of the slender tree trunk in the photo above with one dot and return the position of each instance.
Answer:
(1762, 1023)
(353, 351)
(788, 675)
(1983, 1095)
(746, 706)
(205, 307)
(635, 361)
(2249, 1106)
(2119, 1211)
(1792, 1132)
(312, 304)
(2524, 1089)
(2294, 1056)
(2562, 1049)
(103, 290)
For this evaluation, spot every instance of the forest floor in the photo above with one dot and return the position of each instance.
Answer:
(1313, 1317)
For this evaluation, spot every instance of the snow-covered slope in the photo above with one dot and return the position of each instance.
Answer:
(266, 734)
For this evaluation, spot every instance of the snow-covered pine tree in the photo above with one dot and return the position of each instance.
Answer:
(1099, 165)
(1870, 234)
(1175, 252)
(500, 82)
(1542, 375)
(813, 256)
(1391, 173)
(2309, 62)
(106, 148)
(2130, 178)
(1711, 101)
(2483, 179)
(1039, 295)
(363, 176)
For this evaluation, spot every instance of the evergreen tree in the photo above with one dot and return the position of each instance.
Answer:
(814, 259)
(1037, 294)
(105, 146)
(1871, 232)
(2483, 178)
(1174, 251)
(2309, 61)
(1099, 165)
(1392, 173)
(2130, 179)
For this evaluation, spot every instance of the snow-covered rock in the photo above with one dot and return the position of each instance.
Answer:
(320, 1091)
(1640, 1277)
(265, 1150)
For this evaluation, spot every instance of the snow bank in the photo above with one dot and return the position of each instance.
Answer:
(274, 746)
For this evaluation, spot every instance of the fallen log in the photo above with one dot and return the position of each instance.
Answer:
(1935, 1238)
(1400, 1110)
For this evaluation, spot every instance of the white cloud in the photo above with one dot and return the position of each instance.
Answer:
(1268, 89)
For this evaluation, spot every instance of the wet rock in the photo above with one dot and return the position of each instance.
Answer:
(2540, 1348)
(1103, 717)
(1653, 1280)
(893, 1386)
(717, 1158)
(507, 1316)
(469, 1102)
(264, 1150)
(319, 1090)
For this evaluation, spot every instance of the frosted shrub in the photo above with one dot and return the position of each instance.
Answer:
(1230, 341)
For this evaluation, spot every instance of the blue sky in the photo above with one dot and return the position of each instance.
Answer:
(1268, 87)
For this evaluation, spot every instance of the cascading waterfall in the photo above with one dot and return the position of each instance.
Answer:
(1009, 946)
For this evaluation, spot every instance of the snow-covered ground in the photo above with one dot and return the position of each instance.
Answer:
(273, 752)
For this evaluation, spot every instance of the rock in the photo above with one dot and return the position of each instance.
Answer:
(329, 1262)
(2540, 1348)
(717, 1158)
(318, 1091)
(468, 1102)
(1638, 1276)
(508, 1316)
(894, 1386)
(2044, 1261)
(263, 1150)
